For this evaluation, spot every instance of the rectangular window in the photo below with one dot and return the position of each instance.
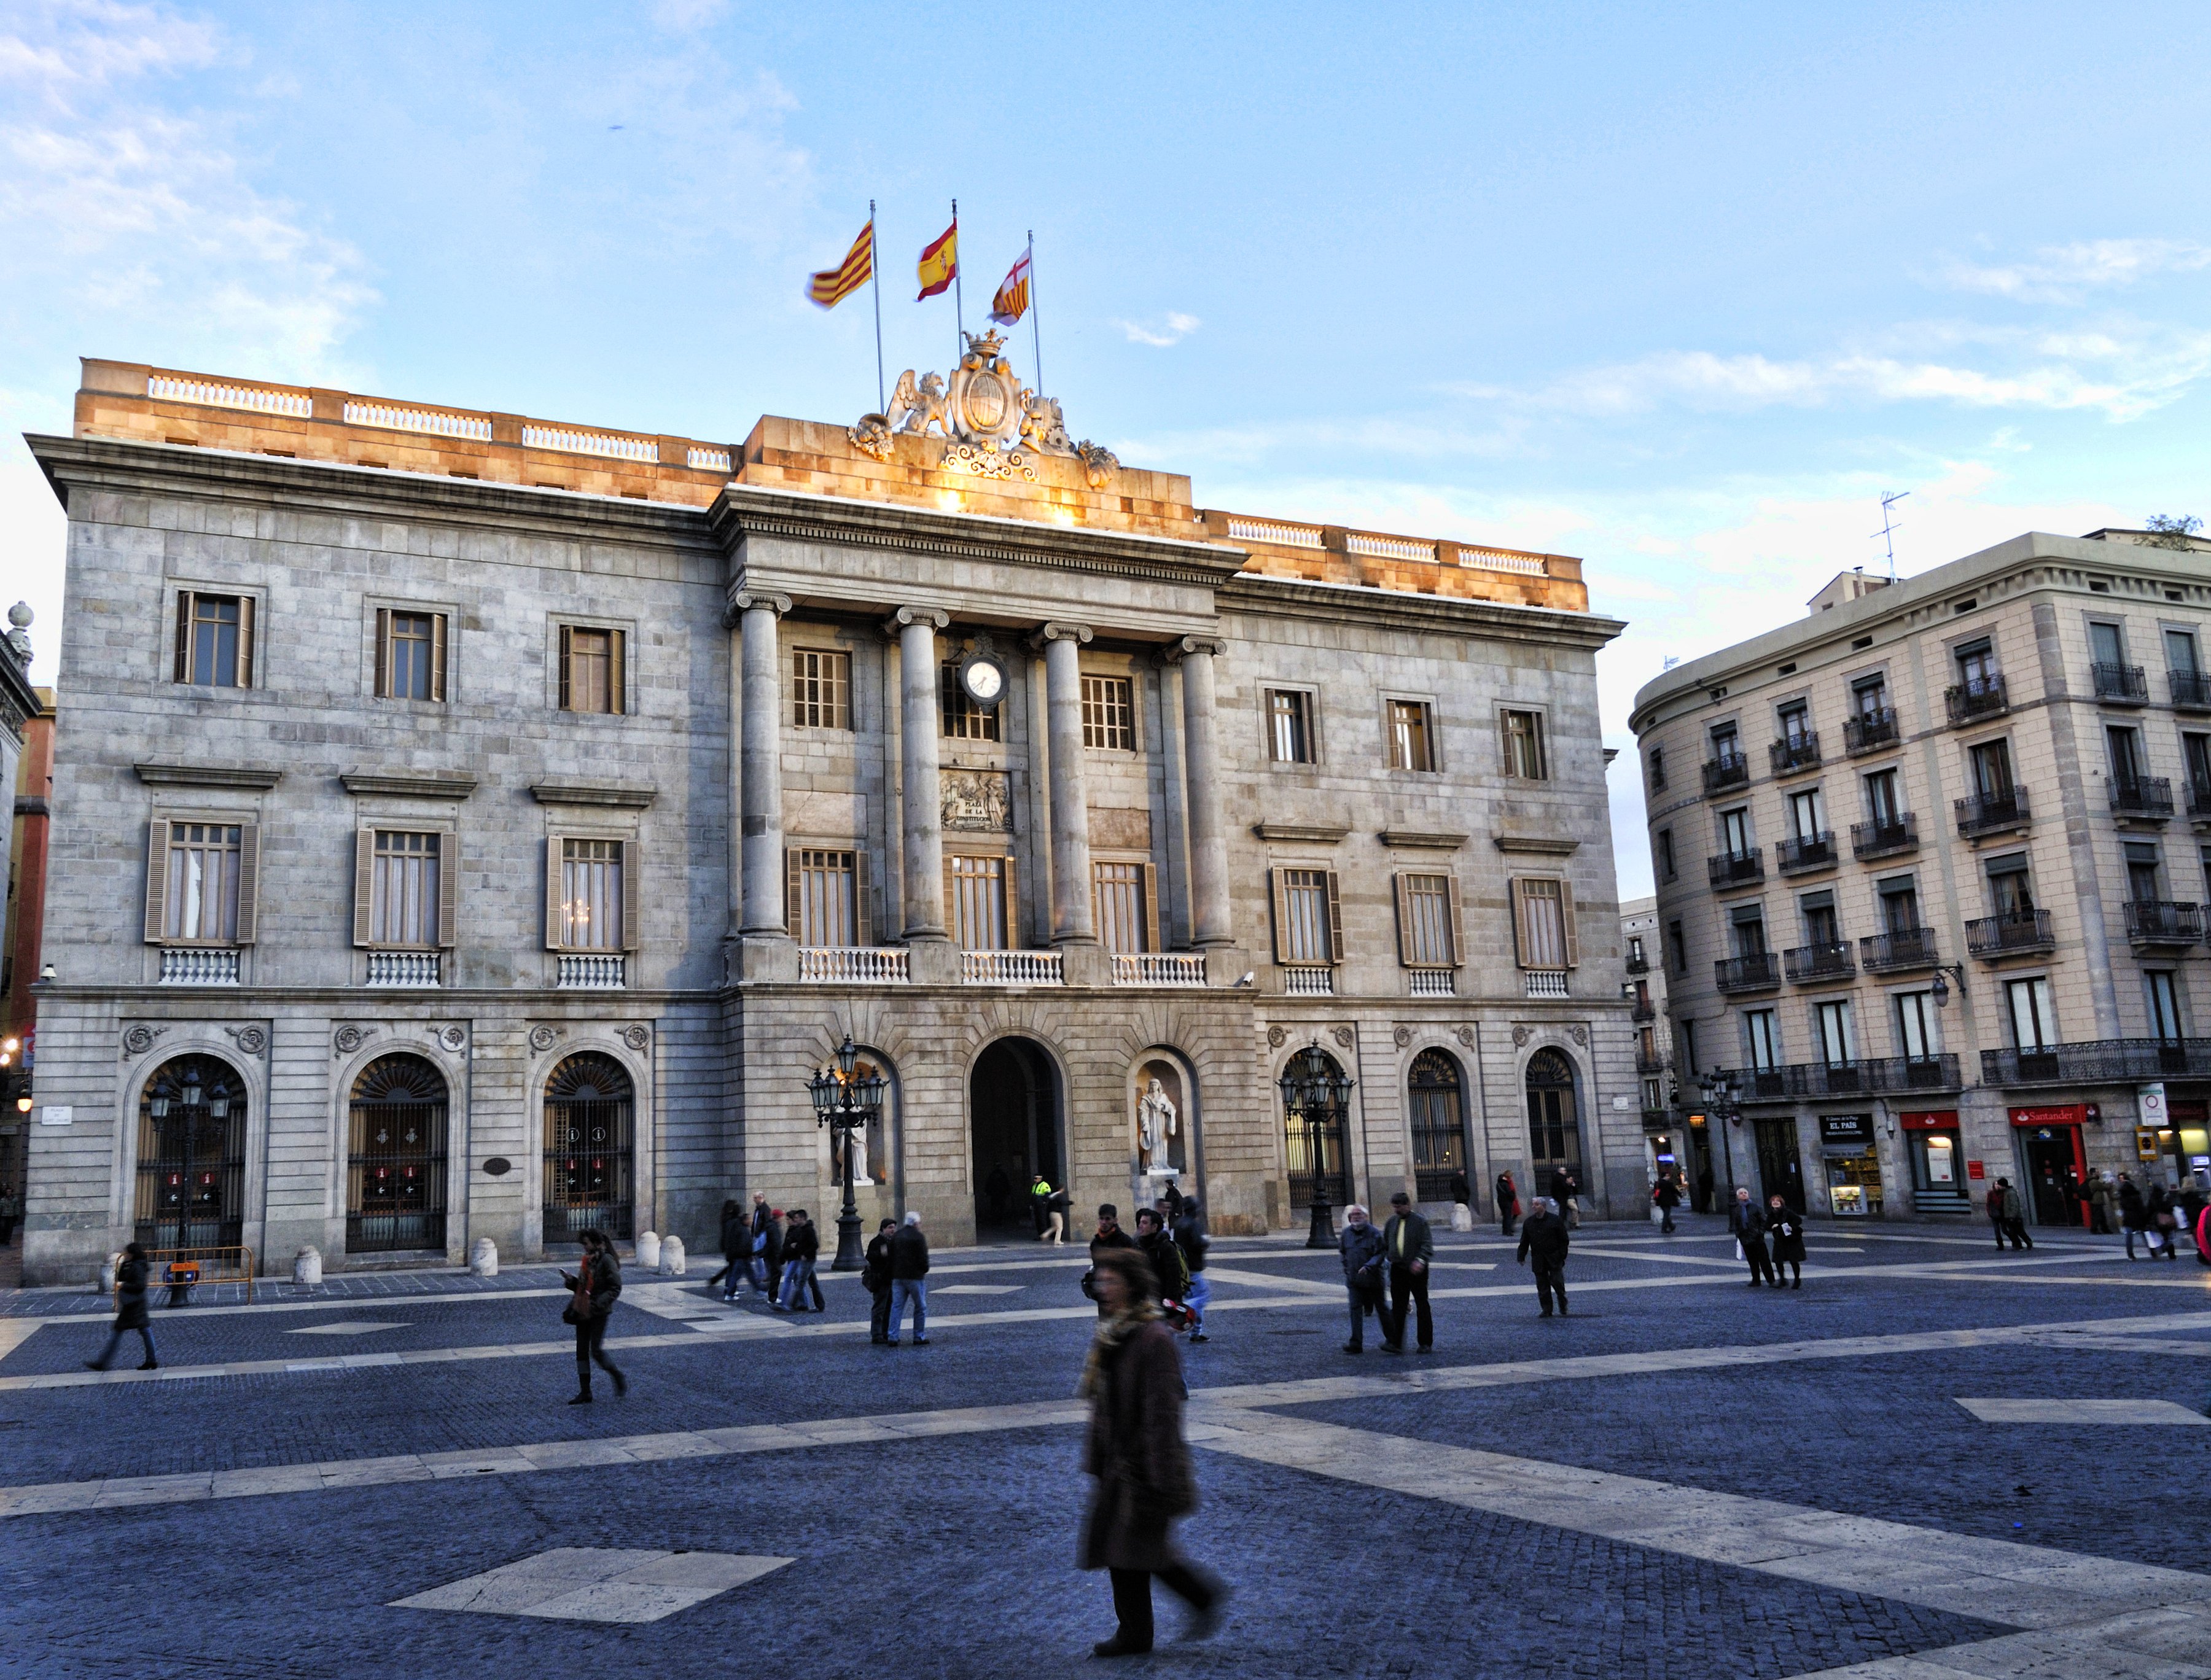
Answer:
(963, 720)
(1125, 907)
(1666, 854)
(410, 654)
(1796, 723)
(2125, 748)
(827, 912)
(1748, 928)
(200, 875)
(1289, 727)
(978, 902)
(1409, 745)
(591, 906)
(1977, 665)
(1808, 814)
(1657, 763)
(1677, 947)
(1869, 695)
(1428, 920)
(1992, 770)
(405, 891)
(1635, 948)
(1821, 926)
(2142, 885)
(1882, 803)
(1765, 1035)
(1109, 714)
(1838, 1034)
(2034, 1020)
(1523, 746)
(215, 639)
(1725, 743)
(1915, 1024)
(1900, 905)
(2196, 753)
(1735, 832)
(1687, 1030)
(2104, 646)
(1305, 917)
(1543, 918)
(2180, 652)
(2010, 890)
(821, 689)
(591, 669)
(2164, 1004)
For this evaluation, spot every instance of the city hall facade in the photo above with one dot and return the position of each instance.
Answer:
(467, 825)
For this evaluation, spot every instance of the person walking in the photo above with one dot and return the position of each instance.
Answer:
(1135, 1451)
(2008, 1212)
(1360, 1246)
(1171, 1202)
(909, 1281)
(1667, 1195)
(1170, 1276)
(778, 1233)
(802, 1246)
(1543, 1239)
(596, 1284)
(1786, 1225)
(2134, 1216)
(875, 1278)
(1058, 1210)
(736, 1241)
(762, 1220)
(129, 1310)
(1564, 1189)
(1190, 1236)
(1109, 1236)
(1039, 1195)
(1508, 1202)
(1462, 1195)
(1409, 1247)
(1747, 1225)
(1703, 1204)
(10, 1209)
(2192, 1203)
(2099, 1205)
(2163, 1222)
(1995, 1206)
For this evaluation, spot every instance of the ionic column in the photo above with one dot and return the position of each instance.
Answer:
(1072, 921)
(1209, 839)
(760, 771)
(916, 628)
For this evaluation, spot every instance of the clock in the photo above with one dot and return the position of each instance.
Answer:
(982, 680)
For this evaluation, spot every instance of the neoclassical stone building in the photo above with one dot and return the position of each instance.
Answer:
(470, 825)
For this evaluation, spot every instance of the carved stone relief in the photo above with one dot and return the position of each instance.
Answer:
(977, 801)
(637, 1037)
(1402, 1036)
(1345, 1036)
(1521, 1036)
(1277, 1036)
(1465, 1037)
(543, 1039)
(137, 1039)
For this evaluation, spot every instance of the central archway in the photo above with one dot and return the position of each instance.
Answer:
(1014, 1129)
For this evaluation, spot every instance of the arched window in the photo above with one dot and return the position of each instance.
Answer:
(192, 1155)
(1300, 1136)
(396, 1157)
(1433, 1094)
(589, 1134)
(1554, 1133)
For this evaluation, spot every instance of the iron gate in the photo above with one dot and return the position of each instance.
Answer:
(589, 1143)
(396, 1164)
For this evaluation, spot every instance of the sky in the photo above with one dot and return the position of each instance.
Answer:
(1680, 290)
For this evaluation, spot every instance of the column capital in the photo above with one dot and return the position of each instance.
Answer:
(1183, 646)
(743, 601)
(935, 617)
(1056, 631)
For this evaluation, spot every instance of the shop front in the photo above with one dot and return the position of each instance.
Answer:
(2052, 1165)
(1937, 1163)
(2170, 1139)
(1852, 1165)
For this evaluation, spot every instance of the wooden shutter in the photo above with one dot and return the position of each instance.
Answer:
(632, 891)
(245, 672)
(1334, 921)
(1519, 922)
(184, 635)
(616, 693)
(567, 640)
(157, 879)
(364, 884)
(1567, 920)
(863, 915)
(1150, 887)
(1012, 890)
(449, 887)
(553, 852)
(383, 653)
(1457, 921)
(437, 656)
(1282, 903)
(248, 881)
(794, 894)
(950, 910)
(1404, 895)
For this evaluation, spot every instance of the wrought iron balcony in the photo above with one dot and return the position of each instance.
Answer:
(1992, 813)
(2191, 691)
(1637, 964)
(1810, 965)
(1759, 973)
(2099, 1061)
(1976, 698)
(1729, 769)
(1937, 1073)
(2147, 798)
(1816, 1080)
(1734, 868)
(1643, 1012)
(2014, 934)
(1886, 839)
(1870, 731)
(2120, 685)
(1806, 852)
(2155, 922)
(2199, 801)
(1650, 1061)
(1890, 953)
(1794, 753)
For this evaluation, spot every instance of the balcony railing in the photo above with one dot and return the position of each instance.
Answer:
(1161, 968)
(1431, 982)
(1757, 973)
(1642, 1010)
(1734, 868)
(2096, 1061)
(197, 965)
(2191, 691)
(1637, 964)
(2153, 922)
(1907, 948)
(1899, 834)
(1870, 731)
(1810, 965)
(853, 964)
(405, 968)
(1011, 968)
(1649, 1062)
(1308, 982)
(592, 972)
(1816, 1080)
(1992, 813)
(1794, 753)
(1545, 983)
(1975, 698)
(2148, 798)
(1729, 769)
(2013, 934)
(2199, 801)
(2120, 685)
(1805, 853)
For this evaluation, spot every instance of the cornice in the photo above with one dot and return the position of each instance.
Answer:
(1538, 845)
(1422, 839)
(624, 796)
(1309, 834)
(407, 787)
(1397, 609)
(208, 776)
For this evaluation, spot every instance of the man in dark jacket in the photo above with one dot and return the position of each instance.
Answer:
(1109, 1235)
(875, 1276)
(2004, 1217)
(736, 1251)
(2133, 1212)
(1564, 1187)
(1544, 1239)
(1667, 1195)
(1508, 1203)
(1409, 1248)
(1361, 1245)
(773, 1252)
(1747, 1225)
(1159, 1246)
(909, 1276)
(801, 1244)
(1190, 1236)
(129, 1309)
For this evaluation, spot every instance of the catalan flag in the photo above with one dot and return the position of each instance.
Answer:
(940, 261)
(1013, 299)
(832, 286)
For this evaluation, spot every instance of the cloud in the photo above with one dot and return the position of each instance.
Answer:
(54, 48)
(2065, 272)
(1176, 328)
(684, 16)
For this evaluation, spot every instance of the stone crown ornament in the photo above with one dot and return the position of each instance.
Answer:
(985, 408)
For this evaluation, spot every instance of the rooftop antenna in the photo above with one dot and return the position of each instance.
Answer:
(1889, 528)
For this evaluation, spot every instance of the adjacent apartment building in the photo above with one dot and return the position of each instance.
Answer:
(1675, 1136)
(472, 825)
(1931, 864)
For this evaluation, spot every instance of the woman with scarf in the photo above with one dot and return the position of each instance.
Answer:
(1133, 1381)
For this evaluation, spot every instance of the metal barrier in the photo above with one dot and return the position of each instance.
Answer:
(176, 1269)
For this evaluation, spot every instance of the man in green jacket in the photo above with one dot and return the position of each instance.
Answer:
(1408, 1248)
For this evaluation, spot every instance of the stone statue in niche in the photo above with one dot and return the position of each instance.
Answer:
(1160, 1145)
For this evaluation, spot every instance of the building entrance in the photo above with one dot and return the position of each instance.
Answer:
(1013, 1122)
(2054, 1166)
(1780, 1165)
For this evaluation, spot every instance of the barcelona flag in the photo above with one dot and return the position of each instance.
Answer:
(1013, 299)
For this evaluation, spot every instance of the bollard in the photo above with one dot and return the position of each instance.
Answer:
(484, 1258)
(671, 1257)
(1461, 1217)
(307, 1264)
(648, 1252)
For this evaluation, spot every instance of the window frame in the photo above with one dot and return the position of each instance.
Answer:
(1523, 928)
(631, 891)
(1147, 904)
(1453, 925)
(2042, 1008)
(367, 877)
(246, 907)
(834, 675)
(1668, 868)
(1426, 705)
(622, 683)
(1009, 908)
(861, 887)
(1106, 680)
(250, 663)
(382, 611)
(954, 705)
(1308, 698)
(1539, 736)
(1331, 920)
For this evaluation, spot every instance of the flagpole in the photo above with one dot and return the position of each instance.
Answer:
(959, 310)
(875, 285)
(1036, 335)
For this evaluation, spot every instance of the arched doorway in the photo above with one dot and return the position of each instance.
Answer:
(1554, 1132)
(192, 1155)
(1334, 1167)
(590, 1124)
(1013, 1122)
(396, 1157)
(1434, 1096)
(1166, 1129)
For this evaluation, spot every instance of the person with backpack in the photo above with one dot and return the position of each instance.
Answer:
(1360, 1246)
(1165, 1254)
(875, 1278)
(1786, 1226)
(1190, 1236)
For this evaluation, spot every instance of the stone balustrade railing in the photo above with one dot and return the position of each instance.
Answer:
(198, 966)
(854, 964)
(405, 968)
(1163, 968)
(1011, 968)
(592, 972)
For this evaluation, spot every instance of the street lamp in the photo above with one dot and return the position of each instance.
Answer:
(1942, 987)
(1318, 1092)
(846, 1103)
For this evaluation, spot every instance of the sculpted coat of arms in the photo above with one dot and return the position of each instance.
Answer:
(985, 407)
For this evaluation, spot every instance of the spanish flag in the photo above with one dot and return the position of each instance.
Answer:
(832, 286)
(1013, 299)
(940, 261)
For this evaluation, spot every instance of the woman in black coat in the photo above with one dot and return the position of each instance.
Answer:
(1786, 1226)
(597, 1283)
(737, 1249)
(129, 1310)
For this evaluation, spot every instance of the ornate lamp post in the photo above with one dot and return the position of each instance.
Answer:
(1318, 1092)
(1720, 1103)
(845, 1105)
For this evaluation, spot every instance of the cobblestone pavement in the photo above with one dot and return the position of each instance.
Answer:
(1611, 1494)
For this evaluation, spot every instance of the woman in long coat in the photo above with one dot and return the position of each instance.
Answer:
(1786, 1226)
(129, 1309)
(1135, 1450)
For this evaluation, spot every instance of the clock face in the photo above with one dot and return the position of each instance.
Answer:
(985, 681)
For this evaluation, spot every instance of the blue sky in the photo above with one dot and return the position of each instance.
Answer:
(1678, 290)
